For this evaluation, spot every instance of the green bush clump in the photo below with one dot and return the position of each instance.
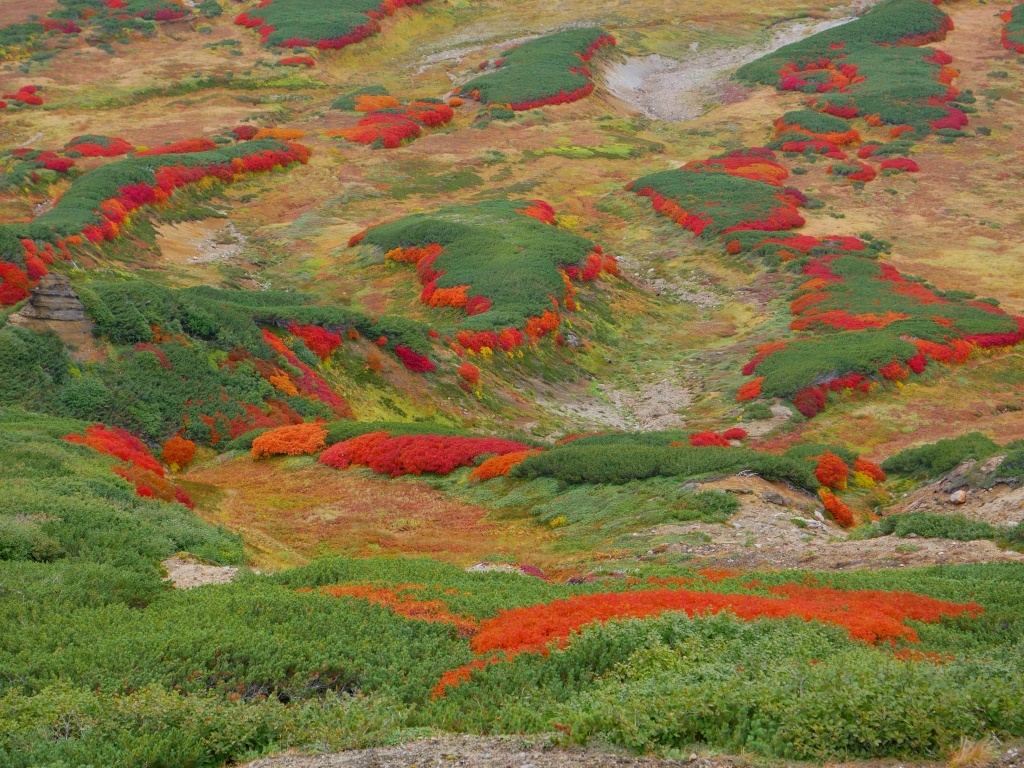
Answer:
(930, 525)
(898, 79)
(721, 200)
(621, 463)
(806, 362)
(61, 500)
(210, 9)
(547, 69)
(301, 23)
(936, 459)
(511, 259)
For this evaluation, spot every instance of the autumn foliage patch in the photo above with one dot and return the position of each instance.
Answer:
(414, 454)
(101, 202)
(293, 440)
(140, 467)
(1012, 32)
(870, 616)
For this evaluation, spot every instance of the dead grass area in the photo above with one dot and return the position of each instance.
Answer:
(289, 512)
(20, 11)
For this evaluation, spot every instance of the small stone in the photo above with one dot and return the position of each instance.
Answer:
(958, 497)
(693, 756)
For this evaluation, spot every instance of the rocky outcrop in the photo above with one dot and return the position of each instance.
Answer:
(54, 306)
(53, 299)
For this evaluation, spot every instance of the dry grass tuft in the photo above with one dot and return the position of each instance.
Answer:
(973, 753)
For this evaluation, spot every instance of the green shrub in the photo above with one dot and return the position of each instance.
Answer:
(938, 458)
(574, 464)
(930, 525)
(543, 70)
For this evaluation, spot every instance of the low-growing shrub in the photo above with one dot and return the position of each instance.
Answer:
(293, 440)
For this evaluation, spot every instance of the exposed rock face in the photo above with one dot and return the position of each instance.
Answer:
(54, 306)
(53, 299)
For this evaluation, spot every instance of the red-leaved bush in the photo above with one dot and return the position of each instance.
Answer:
(832, 471)
(414, 454)
(839, 511)
(320, 342)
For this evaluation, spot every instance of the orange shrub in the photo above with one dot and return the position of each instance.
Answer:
(839, 511)
(870, 469)
(178, 452)
(281, 134)
(469, 372)
(499, 466)
(750, 390)
(370, 103)
(293, 440)
(832, 471)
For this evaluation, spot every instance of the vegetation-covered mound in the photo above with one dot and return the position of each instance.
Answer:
(507, 265)
(548, 70)
(873, 68)
(324, 24)
(100, 202)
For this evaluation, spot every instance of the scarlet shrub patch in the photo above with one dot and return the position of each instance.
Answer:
(27, 96)
(870, 616)
(414, 454)
(548, 70)
(389, 127)
(97, 146)
(142, 469)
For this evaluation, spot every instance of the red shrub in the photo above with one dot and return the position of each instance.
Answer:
(839, 511)
(116, 442)
(414, 361)
(470, 373)
(707, 439)
(832, 471)
(321, 342)
(810, 401)
(900, 164)
(735, 433)
(414, 454)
